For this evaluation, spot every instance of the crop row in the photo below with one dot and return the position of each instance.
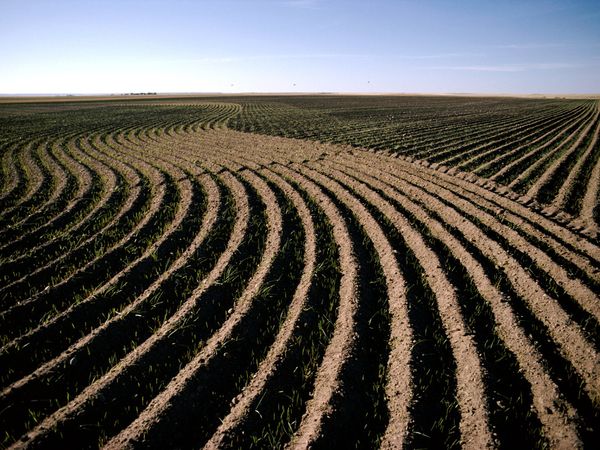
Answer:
(177, 284)
(544, 151)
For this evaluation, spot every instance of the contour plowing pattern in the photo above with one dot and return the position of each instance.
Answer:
(178, 284)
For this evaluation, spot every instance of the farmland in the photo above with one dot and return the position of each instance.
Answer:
(295, 271)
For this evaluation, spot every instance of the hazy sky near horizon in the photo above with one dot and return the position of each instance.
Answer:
(113, 46)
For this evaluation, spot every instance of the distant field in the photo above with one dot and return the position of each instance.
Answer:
(300, 271)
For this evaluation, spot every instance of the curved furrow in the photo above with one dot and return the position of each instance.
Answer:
(29, 165)
(61, 208)
(173, 395)
(297, 366)
(398, 387)
(28, 311)
(342, 340)
(168, 282)
(68, 196)
(474, 426)
(109, 189)
(10, 174)
(124, 220)
(566, 247)
(249, 396)
(566, 253)
(26, 171)
(327, 374)
(561, 327)
(575, 288)
(82, 317)
(187, 229)
(152, 346)
(524, 217)
(573, 263)
(55, 191)
(556, 415)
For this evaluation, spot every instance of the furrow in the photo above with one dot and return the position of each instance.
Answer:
(474, 426)
(92, 397)
(506, 160)
(547, 129)
(107, 181)
(532, 180)
(135, 198)
(398, 387)
(267, 367)
(342, 340)
(560, 326)
(536, 188)
(590, 212)
(37, 306)
(174, 392)
(556, 415)
(67, 199)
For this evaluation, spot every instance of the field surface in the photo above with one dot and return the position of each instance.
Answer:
(300, 271)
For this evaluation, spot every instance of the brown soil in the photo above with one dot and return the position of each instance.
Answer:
(539, 184)
(157, 408)
(461, 201)
(252, 391)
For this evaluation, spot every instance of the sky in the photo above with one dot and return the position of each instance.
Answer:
(426, 46)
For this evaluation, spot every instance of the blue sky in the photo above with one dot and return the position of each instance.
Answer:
(111, 46)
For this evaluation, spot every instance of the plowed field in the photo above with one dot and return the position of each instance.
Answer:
(323, 272)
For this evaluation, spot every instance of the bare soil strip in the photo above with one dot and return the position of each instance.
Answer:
(557, 416)
(96, 389)
(562, 329)
(474, 420)
(398, 388)
(267, 367)
(342, 340)
(172, 393)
